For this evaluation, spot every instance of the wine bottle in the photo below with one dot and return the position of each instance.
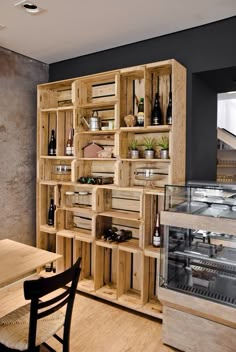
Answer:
(52, 144)
(69, 143)
(123, 235)
(156, 240)
(156, 112)
(140, 116)
(169, 107)
(157, 118)
(51, 211)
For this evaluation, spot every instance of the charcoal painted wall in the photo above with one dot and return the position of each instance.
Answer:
(206, 48)
(19, 77)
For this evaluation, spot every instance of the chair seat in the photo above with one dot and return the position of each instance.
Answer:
(14, 328)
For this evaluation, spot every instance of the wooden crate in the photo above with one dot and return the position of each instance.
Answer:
(58, 95)
(106, 270)
(124, 203)
(132, 89)
(130, 170)
(120, 222)
(84, 248)
(151, 303)
(101, 88)
(126, 138)
(47, 192)
(51, 169)
(64, 246)
(130, 277)
(158, 79)
(94, 168)
(107, 112)
(47, 123)
(104, 139)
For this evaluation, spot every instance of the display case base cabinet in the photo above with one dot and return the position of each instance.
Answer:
(190, 333)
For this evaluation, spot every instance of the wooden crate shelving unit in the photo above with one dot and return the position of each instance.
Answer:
(125, 273)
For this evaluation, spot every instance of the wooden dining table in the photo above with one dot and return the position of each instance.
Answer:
(17, 260)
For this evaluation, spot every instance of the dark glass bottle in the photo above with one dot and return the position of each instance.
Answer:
(123, 235)
(156, 112)
(169, 111)
(51, 211)
(52, 144)
(140, 116)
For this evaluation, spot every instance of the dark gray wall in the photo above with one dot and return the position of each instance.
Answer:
(19, 76)
(206, 48)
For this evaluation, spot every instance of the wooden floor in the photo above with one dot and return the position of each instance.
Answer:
(99, 327)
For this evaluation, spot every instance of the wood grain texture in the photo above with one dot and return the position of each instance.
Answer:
(194, 334)
(99, 327)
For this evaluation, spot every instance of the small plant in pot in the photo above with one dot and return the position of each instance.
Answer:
(133, 149)
(164, 145)
(149, 145)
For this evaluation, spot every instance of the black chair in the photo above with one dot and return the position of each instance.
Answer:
(31, 325)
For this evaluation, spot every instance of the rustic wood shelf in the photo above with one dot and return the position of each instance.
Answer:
(117, 272)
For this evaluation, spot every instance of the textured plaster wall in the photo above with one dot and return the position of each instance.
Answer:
(19, 77)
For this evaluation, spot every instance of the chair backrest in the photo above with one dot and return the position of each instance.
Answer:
(34, 290)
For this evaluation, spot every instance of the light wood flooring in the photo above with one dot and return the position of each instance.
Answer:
(100, 327)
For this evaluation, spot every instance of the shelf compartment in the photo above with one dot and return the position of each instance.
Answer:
(106, 272)
(55, 169)
(107, 140)
(47, 123)
(122, 203)
(66, 123)
(128, 174)
(55, 95)
(104, 223)
(154, 75)
(132, 89)
(46, 193)
(75, 221)
(125, 139)
(108, 114)
(64, 246)
(151, 272)
(130, 277)
(152, 207)
(47, 240)
(95, 168)
(99, 88)
(77, 197)
(85, 249)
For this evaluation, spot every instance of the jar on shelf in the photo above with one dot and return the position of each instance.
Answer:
(70, 199)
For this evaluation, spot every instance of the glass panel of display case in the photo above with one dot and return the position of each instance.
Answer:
(210, 199)
(200, 263)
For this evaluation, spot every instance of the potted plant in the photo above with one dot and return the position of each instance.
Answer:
(133, 149)
(149, 145)
(164, 144)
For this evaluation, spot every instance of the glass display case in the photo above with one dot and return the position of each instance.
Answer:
(198, 254)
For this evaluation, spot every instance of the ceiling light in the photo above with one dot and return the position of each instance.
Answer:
(29, 7)
(2, 26)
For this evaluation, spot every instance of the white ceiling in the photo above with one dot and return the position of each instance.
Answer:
(70, 28)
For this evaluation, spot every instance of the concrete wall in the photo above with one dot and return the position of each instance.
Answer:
(19, 77)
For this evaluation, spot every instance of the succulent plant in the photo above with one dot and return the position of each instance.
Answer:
(164, 143)
(149, 143)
